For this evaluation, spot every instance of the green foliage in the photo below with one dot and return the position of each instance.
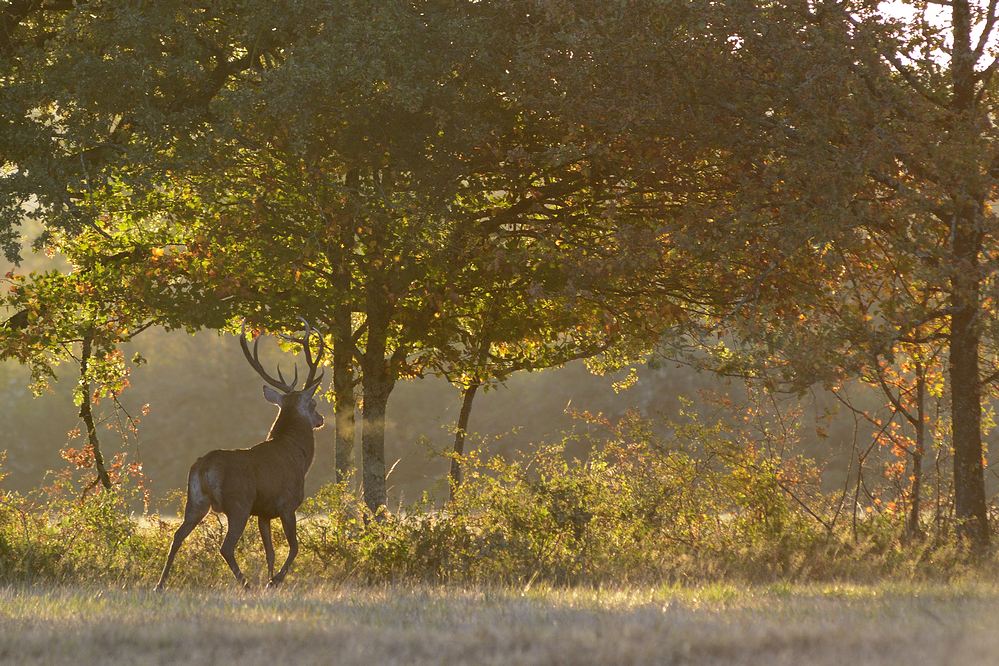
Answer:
(65, 532)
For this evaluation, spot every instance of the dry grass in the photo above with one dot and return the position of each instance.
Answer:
(397, 625)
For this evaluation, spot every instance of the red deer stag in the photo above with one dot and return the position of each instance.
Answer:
(268, 480)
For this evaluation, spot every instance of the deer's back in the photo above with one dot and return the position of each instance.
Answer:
(263, 480)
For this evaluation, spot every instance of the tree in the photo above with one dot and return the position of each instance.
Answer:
(65, 143)
(74, 317)
(935, 81)
(869, 128)
(389, 194)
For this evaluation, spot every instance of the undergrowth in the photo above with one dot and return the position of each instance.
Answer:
(700, 503)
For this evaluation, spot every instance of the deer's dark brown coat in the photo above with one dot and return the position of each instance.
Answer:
(266, 481)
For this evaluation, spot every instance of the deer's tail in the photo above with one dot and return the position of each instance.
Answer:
(204, 486)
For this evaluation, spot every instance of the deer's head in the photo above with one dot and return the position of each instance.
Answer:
(282, 393)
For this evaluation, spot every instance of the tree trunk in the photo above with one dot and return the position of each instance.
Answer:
(966, 414)
(344, 406)
(86, 410)
(965, 334)
(376, 382)
(467, 396)
(913, 528)
(373, 444)
(343, 395)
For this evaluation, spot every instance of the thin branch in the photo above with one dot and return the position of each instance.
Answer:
(990, 22)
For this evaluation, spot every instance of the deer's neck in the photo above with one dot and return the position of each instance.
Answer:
(295, 432)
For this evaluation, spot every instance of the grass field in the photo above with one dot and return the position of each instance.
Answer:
(829, 624)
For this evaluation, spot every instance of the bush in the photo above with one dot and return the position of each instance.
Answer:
(701, 502)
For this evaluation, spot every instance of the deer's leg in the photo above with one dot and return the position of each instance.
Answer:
(265, 536)
(290, 531)
(194, 513)
(237, 523)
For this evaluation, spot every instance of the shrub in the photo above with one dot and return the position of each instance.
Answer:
(689, 501)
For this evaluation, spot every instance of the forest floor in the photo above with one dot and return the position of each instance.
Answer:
(779, 624)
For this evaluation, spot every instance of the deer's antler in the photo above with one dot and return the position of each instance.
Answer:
(254, 362)
(311, 381)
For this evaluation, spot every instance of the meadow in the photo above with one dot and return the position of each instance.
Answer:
(400, 624)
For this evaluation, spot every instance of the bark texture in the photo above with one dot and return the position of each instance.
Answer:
(87, 412)
(467, 397)
(965, 333)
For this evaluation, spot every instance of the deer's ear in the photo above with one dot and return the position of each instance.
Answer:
(312, 391)
(272, 396)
